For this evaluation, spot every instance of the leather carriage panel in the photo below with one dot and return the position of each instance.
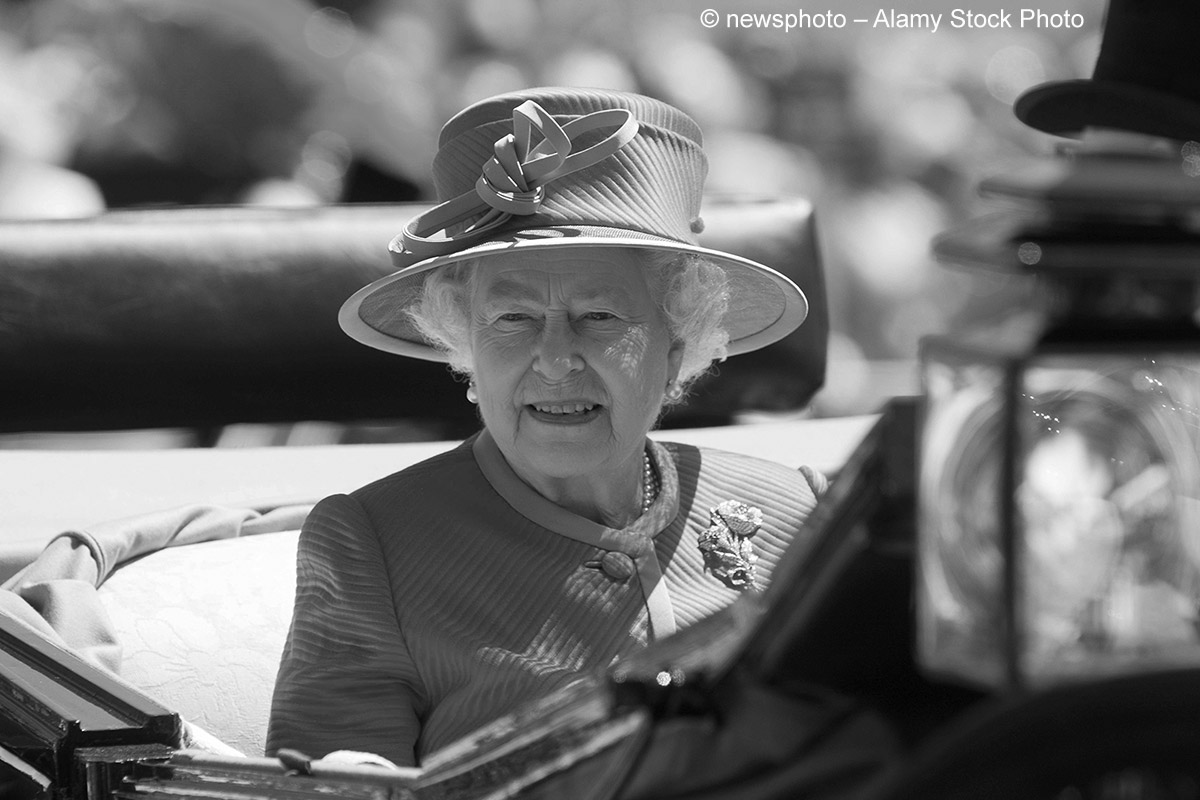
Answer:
(200, 317)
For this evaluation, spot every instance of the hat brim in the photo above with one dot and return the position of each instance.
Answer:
(1066, 108)
(764, 305)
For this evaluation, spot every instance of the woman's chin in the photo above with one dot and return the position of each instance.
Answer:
(561, 445)
(575, 438)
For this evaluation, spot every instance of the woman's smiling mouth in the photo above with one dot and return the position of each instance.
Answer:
(565, 413)
(563, 408)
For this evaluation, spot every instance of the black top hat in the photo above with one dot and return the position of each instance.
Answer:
(1146, 78)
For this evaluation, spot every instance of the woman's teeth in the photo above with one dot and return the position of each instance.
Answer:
(569, 408)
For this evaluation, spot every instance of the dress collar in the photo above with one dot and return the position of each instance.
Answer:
(633, 541)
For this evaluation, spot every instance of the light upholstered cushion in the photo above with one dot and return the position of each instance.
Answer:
(202, 627)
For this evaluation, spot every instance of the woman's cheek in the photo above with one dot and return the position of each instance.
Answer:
(628, 350)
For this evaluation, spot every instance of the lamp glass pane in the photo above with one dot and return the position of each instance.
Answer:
(959, 587)
(1108, 510)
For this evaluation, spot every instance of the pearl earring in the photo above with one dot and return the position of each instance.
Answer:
(472, 395)
(674, 391)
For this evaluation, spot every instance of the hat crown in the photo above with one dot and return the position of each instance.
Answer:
(653, 184)
(1151, 43)
(1144, 80)
(566, 102)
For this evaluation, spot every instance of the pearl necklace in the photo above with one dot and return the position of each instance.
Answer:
(649, 483)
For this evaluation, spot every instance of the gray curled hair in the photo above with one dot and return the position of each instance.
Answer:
(691, 291)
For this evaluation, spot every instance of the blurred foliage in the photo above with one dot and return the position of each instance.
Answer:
(120, 102)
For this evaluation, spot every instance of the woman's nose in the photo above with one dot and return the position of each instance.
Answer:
(557, 354)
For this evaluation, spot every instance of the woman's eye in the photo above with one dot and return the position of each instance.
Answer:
(599, 316)
(513, 316)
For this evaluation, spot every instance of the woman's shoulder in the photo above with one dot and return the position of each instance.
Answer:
(400, 504)
(760, 480)
(714, 462)
(427, 481)
(435, 473)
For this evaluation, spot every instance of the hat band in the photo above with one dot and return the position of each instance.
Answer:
(514, 180)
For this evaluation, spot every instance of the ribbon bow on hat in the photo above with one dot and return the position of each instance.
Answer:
(514, 179)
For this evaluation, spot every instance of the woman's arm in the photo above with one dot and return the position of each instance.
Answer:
(346, 680)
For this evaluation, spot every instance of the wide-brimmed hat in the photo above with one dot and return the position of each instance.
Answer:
(1145, 79)
(557, 168)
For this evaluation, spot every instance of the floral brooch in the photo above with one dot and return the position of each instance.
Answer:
(726, 547)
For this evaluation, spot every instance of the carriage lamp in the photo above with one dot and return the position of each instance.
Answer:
(1059, 448)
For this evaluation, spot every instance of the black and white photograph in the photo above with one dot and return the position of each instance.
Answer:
(599, 399)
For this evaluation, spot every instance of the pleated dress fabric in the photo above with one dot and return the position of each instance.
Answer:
(436, 599)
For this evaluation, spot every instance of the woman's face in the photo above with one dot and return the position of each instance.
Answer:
(571, 356)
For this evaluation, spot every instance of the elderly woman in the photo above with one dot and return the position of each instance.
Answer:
(563, 278)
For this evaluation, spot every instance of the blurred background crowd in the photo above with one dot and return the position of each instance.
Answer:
(117, 103)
